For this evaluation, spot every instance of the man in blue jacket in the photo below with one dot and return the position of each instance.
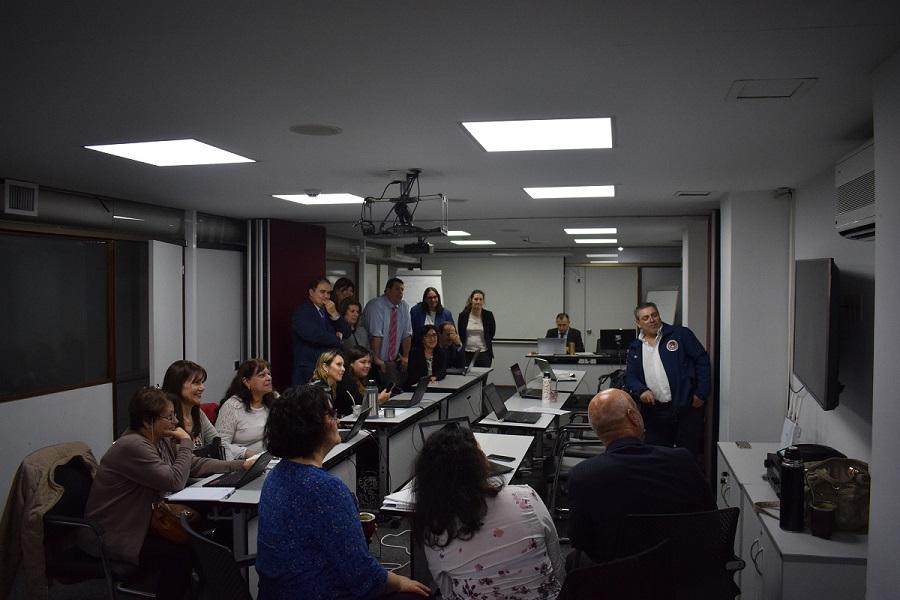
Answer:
(668, 370)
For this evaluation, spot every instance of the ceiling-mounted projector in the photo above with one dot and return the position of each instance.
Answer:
(398, 220)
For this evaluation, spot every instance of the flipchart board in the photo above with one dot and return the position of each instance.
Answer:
(415, 282)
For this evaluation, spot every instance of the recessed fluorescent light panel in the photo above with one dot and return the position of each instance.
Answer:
(592, 231)
(597, 241)
(473, 242)
(604, 262)
(458, 233)
(545, 134)
(572, 191)
(172, 153)
(124, 218)
(321, 199)
(602, 255)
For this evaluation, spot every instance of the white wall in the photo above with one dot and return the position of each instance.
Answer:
(219, 314)
(849, 427)
(695, 278)
(166, 311)
(82, 415)
(754, 316)
(884, 533)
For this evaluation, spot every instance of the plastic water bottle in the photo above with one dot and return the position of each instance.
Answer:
(546, 389)
(792, 501)
(371, 399)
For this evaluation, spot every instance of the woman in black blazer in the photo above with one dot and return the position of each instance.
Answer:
(426, 359)
(477, 329)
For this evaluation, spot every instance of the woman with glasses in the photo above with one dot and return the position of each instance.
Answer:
(310, 542)
(245, 408)
(482, 539)
(152, 457)
(429, 311)
(426, 359)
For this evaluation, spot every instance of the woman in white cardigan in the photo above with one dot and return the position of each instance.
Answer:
(244, 410)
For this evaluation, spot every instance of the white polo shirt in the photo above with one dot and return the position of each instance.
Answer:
(654, 373)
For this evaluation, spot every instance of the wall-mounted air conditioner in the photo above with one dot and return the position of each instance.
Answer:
(854, 178)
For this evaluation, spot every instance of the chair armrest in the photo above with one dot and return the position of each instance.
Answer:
(75, 522)
(246, 561)
(735, 564)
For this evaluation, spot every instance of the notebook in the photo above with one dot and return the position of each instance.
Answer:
(421, 388)
(552, 345)
(547, 370)
(521, 386)
(426, 429)
(238, 479)
(349, 434)
(465, 370)
(502, 414)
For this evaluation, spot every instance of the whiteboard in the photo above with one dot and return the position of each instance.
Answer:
(415, 282)
(666, 302)
(525, 293)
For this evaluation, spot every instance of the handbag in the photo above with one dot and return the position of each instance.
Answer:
(165, 521)
(844, 483)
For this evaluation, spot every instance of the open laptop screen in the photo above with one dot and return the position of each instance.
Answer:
(518, 378)
(494, 401)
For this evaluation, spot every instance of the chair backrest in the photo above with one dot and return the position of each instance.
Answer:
(219, 572)
(701, 544)
(212, 411)
(76, 480)
(635, 577)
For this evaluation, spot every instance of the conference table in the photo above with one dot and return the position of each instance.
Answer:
(466, 393)
(594, 365)
(397, 437)
(240, 507)
(402, 502)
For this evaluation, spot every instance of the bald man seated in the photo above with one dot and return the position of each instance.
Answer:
(631, 477)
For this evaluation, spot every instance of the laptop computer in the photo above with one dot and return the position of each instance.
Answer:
(421, 388)
(547, 370)
(500, 411)
(522, 387)
(552, 345)
(465, 370)
(426, 429)
(238, 479)
(349, 434)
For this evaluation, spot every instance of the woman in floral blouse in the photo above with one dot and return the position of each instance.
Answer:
(482, 539)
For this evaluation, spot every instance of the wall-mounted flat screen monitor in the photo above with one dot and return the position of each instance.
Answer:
(816, 308)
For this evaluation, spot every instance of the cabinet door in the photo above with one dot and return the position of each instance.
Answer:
(751, 577)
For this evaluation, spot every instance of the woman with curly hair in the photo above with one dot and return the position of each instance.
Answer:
(482, 539)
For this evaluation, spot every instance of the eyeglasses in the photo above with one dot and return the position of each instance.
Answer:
(430, 335)
(169, 418)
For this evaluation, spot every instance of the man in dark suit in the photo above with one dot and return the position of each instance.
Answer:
(316, 327)
(452, 346)
(569, 335)
(631, 477)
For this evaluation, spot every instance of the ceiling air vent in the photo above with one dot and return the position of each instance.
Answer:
(20, 198)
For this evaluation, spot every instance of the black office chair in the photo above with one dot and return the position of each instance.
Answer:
(219, 570)
(575, 442)
(640, 576)
(701, 549)
(68, 564)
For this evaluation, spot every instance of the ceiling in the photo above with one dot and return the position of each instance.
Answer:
(398, 77)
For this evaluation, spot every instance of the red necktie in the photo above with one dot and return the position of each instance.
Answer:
(392, 335)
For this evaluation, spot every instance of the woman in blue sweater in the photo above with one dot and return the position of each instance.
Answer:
(310, 542)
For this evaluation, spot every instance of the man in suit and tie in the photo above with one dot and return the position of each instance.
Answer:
(387, 320)
(316, 327)
(569, 335)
